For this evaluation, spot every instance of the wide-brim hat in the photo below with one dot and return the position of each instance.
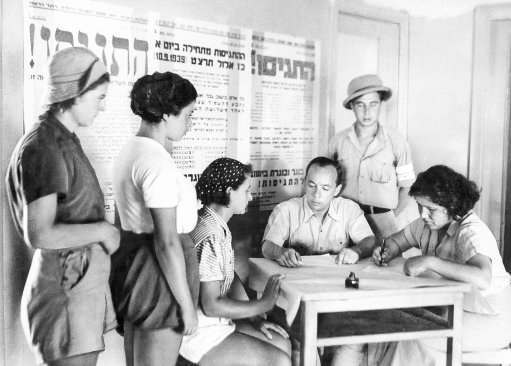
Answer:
(65, 70)
(366, 84)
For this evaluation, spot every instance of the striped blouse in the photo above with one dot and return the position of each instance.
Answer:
(215, 255)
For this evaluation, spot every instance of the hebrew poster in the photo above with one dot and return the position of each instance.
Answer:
(257, 91)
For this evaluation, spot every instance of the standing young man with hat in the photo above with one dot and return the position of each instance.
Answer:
(377, 159)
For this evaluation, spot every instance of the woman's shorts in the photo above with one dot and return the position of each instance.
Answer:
(66, 305)
(140, 291)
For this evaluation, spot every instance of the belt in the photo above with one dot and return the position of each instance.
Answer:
(373, 209)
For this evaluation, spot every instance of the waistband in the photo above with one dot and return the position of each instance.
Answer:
(368, 210)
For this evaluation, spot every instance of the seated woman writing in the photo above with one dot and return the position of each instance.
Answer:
(224, 189)
(456, 245)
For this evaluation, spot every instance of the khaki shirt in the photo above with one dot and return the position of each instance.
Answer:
(294, 222)
(373, 177)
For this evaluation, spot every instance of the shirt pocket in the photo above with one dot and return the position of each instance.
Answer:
(340, 240)
(381, 171)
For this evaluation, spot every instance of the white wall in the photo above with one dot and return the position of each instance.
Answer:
(440, 69)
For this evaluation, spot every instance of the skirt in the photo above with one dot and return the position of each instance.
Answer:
(140, 292)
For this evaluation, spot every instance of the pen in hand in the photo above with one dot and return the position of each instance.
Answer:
(382, 249)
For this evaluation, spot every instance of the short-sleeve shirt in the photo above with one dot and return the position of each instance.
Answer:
(373, 176)
(67, 304)
(213, 242)
(293, 221)
(145, 177)
(463, 240)
(49, 159)
(215, 255)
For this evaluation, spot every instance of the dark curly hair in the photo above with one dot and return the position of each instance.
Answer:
(447, 188)
(221, 174)
(322, 161)
(154, 95)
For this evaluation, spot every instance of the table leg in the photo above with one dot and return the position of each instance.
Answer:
(454, 343)
(309, 331)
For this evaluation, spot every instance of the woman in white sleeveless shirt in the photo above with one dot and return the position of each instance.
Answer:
(154, 278)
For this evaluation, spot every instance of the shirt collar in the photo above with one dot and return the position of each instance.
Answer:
(63, 130)
(352, 135)
(378, 142)
(308, 213)
(376, 145)
(455, 224)
(217, 218)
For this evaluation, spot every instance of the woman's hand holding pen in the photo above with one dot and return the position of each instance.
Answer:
(384, 253)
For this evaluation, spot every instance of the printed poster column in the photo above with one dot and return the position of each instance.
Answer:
(283, 130)
(215, 58)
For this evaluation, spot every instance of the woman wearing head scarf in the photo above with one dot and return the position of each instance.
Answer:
(58, 208)
(154, 274)
(224, 189)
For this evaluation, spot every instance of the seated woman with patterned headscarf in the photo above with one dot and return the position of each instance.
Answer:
(224, 189)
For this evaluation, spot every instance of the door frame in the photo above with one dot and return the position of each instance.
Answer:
(399, 18)
(488, 155)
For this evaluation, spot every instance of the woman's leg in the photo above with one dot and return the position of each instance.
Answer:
(277, 340)
(87, 359)
(128, 343)
(153, 347)
(348, 355)
(243, 350)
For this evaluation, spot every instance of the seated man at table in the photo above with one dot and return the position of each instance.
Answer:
(318, 222)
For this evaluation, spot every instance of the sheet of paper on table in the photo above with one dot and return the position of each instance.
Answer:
(323, 260)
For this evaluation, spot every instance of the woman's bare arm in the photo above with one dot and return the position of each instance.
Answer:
(214, 304)
(169, 253)
(44, 232)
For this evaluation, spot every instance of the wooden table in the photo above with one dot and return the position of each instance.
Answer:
(318, 287)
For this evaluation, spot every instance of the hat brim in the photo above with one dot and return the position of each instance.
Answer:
(386, 93)
(60, 94)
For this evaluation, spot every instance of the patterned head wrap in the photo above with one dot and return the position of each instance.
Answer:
(218, 176)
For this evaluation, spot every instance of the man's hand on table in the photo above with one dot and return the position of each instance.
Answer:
(347, 256)
(289, 258)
